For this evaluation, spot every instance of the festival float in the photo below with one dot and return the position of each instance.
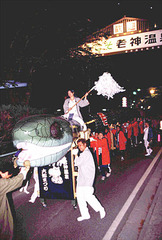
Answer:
(49, 145)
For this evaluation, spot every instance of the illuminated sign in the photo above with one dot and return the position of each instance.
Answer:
(12, 84)
(118, 28)
(131, 26)
(125, 43)
(124, 102)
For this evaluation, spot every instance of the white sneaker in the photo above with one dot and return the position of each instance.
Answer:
(102, 213)
(151, 151)
(147, 154)
(81, 218)
(108, 174)
(103, 178)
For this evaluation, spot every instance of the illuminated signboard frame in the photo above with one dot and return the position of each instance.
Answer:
(125, 43)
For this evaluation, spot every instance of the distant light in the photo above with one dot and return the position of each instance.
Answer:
(104, 109)
(141, 106)
(138, 90)
(149, 107)
(151, 7)
(59, 110)
(134, 93)
(152, 91)
(161, 125)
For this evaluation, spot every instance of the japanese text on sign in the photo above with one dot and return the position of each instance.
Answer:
(126, 43)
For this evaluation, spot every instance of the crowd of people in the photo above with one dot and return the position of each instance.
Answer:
(118, 139)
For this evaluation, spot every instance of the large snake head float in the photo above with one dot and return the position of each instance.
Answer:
(43, 139)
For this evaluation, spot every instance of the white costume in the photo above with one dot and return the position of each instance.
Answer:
(85, 190)
(74, 113)
(146, 141)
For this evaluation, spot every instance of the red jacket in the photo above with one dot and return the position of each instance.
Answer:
(124, 126)
(121, 141)
(103, 144)
(129, 130)
(141, 126)
(108, 136)
(135, 128)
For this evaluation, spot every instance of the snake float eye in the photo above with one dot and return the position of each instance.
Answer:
(56, 130)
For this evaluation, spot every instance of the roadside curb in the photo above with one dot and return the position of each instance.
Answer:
(152, 228)
(137, 223)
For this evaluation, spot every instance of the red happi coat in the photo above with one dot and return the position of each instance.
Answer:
(135, 128)
(122, 141)
(141, 126)
(124, 126)
(129, 130)
(108, 136)
(105, 150)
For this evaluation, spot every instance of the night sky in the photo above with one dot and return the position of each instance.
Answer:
(49, 28)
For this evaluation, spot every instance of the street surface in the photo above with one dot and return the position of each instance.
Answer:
(58, 219)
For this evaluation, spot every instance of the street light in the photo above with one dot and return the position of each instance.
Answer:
(152, 91)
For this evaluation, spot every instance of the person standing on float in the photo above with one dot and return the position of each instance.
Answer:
(72, 110)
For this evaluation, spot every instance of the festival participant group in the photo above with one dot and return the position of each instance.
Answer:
(118, 140)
